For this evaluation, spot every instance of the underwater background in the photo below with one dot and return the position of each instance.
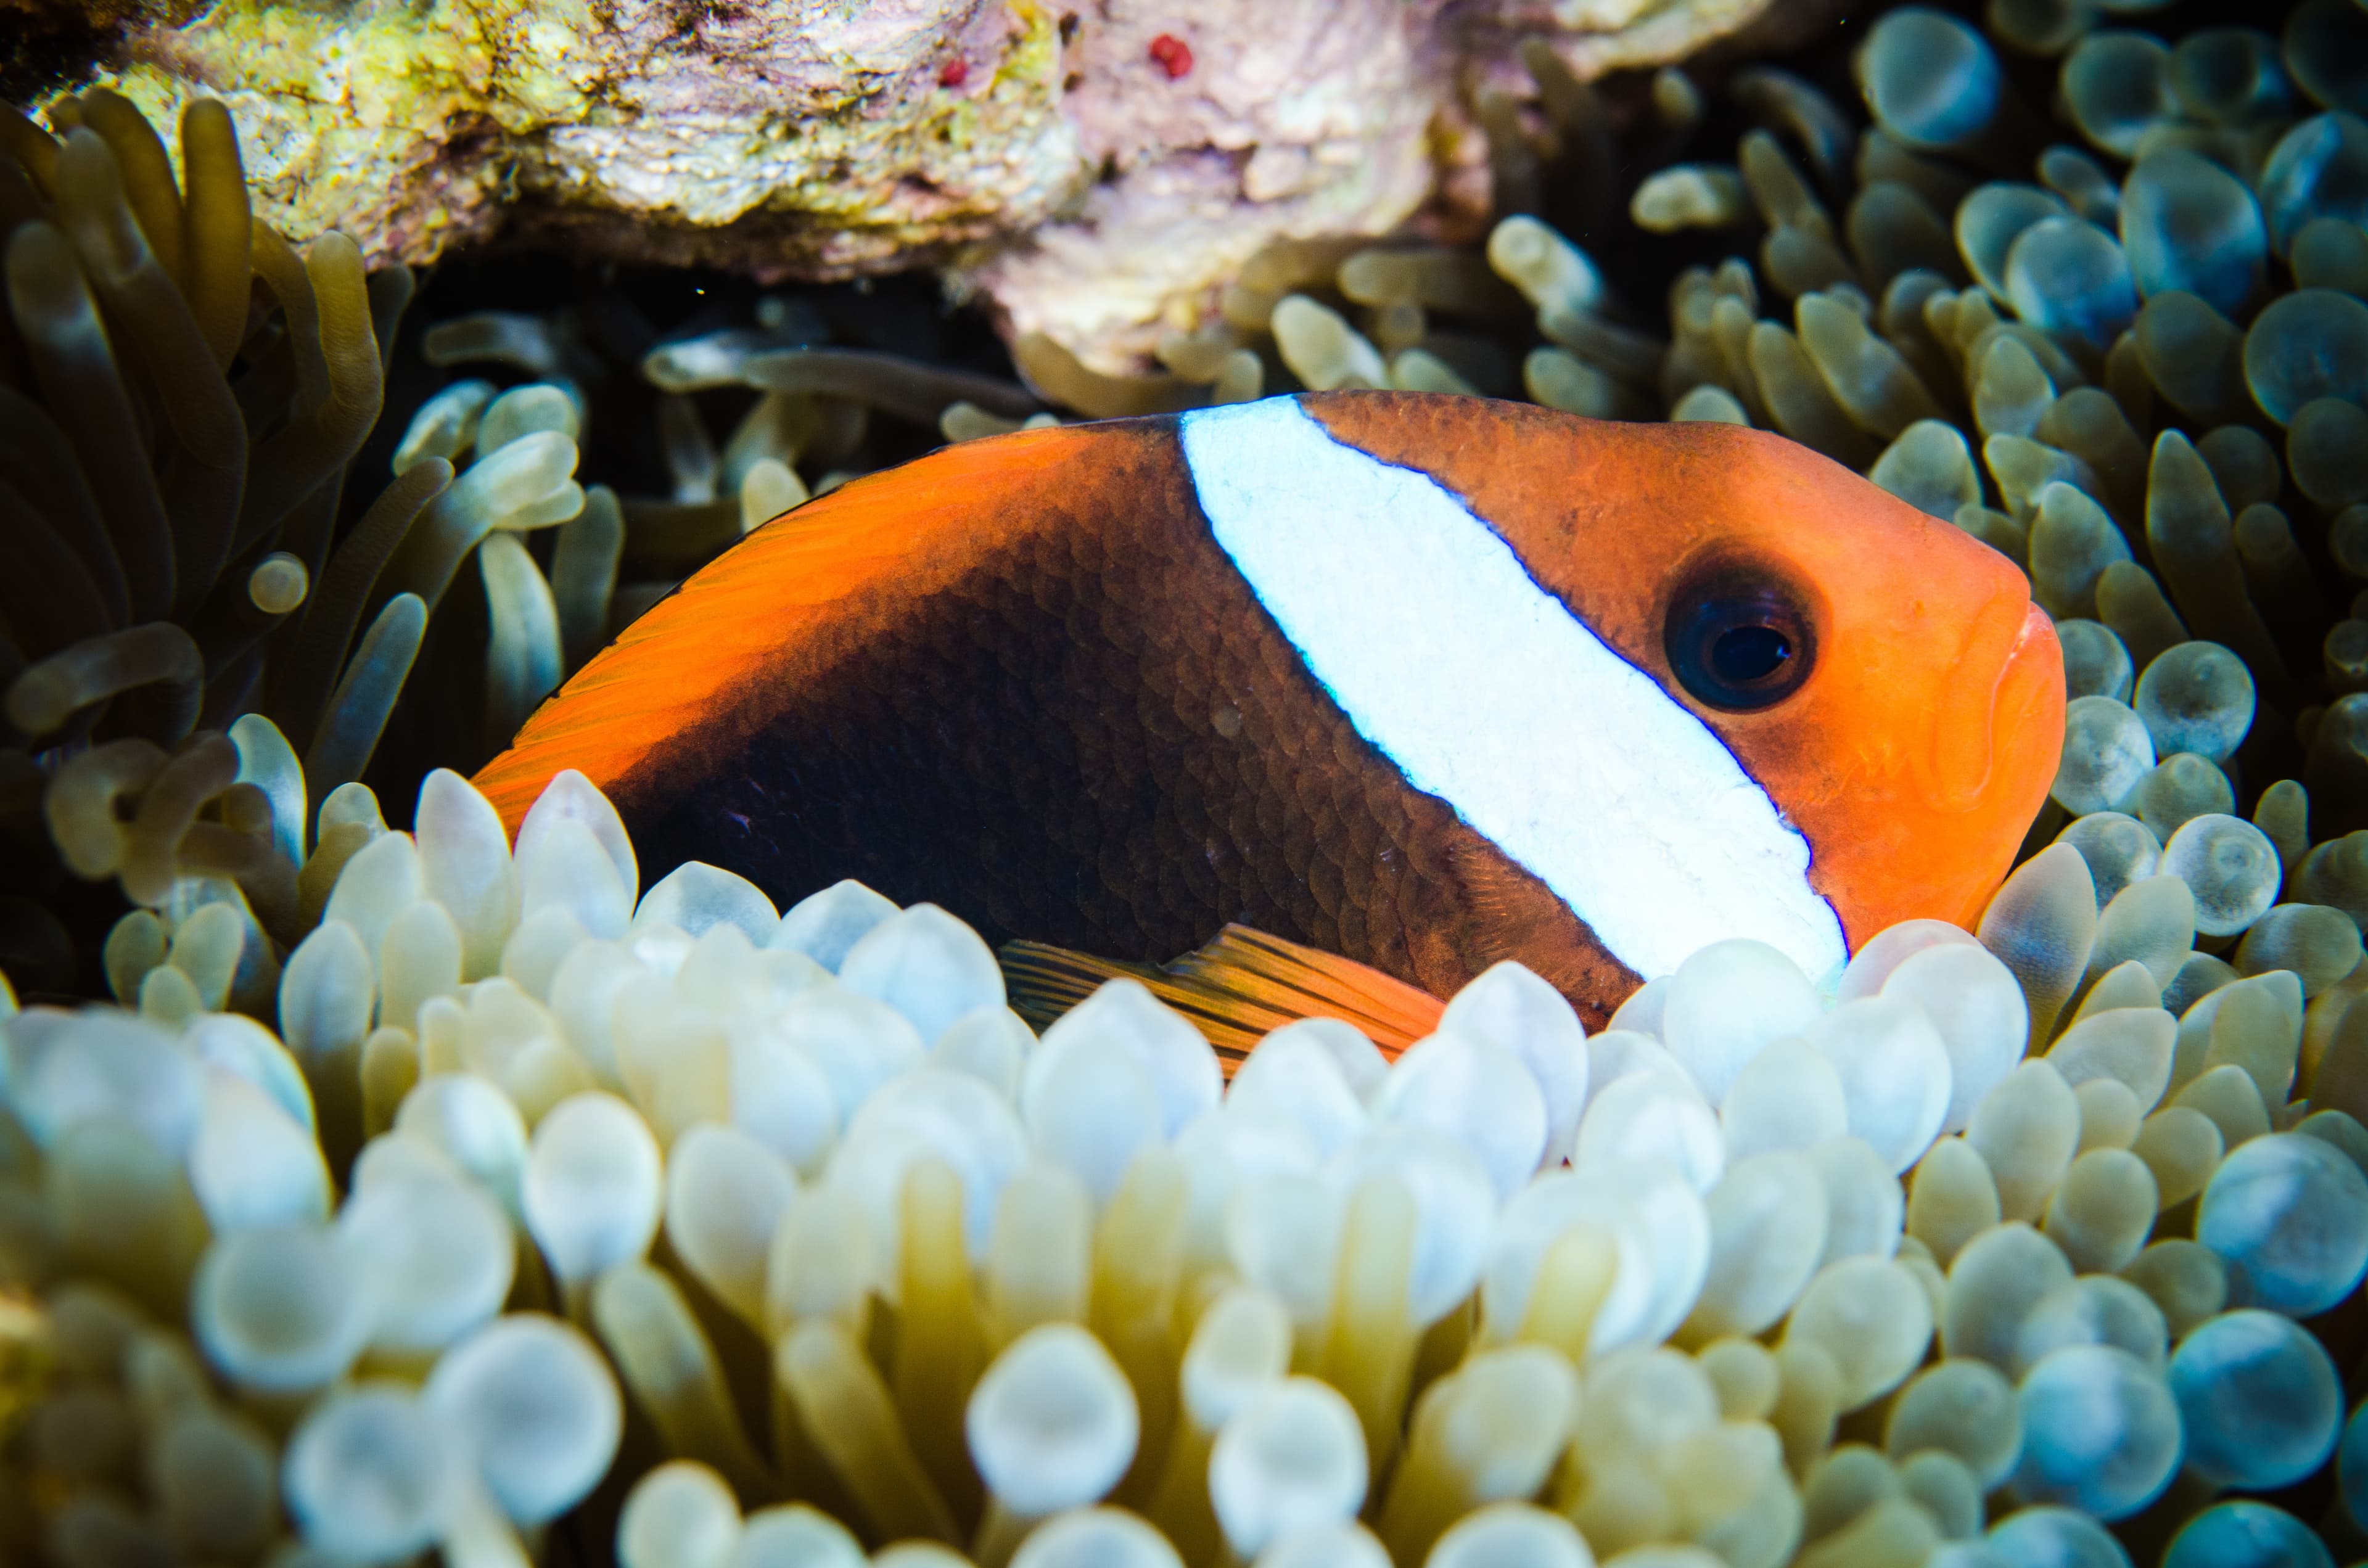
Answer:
(406, 1190)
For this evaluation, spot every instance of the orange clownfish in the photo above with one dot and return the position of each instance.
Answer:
(1428, 682)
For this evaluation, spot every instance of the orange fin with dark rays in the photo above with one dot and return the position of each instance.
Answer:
(1239, 987)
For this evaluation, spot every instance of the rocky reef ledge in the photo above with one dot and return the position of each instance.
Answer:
(1094, 170)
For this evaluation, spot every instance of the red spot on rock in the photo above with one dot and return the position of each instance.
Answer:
(954, 73)
(1174, 55)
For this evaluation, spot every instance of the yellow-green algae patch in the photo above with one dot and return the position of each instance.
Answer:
(826, 135)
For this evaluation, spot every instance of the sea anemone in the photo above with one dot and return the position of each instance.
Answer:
(182, 394)
(563, 1218)
(552, 1214)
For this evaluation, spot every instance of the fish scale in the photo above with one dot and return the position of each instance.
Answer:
(1024, 678)
(1051, 791)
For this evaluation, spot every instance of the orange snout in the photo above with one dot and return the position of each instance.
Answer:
(1937, 714)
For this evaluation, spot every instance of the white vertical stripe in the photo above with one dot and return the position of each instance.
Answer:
(1490, 694)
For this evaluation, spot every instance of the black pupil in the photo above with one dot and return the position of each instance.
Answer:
(1739, 640)
(1746, 655)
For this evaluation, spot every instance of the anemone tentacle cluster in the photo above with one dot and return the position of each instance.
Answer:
(755, 1238)
(182, 394)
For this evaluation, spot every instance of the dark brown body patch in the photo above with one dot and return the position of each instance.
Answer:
(1093, 736)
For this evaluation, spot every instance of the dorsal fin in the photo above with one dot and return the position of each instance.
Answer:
(1240, 986)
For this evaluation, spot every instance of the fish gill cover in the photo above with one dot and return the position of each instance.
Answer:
(423, 1192)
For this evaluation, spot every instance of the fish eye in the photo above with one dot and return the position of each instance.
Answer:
(1740, 641)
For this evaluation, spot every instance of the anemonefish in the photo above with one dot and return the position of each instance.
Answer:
(1427, 682)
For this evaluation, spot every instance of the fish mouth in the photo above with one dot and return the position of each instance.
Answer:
(2001, 666)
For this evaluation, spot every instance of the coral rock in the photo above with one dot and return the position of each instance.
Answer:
(1097, 171)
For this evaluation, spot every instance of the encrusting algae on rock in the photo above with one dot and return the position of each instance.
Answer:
(1091, 168)
(757, 1238)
